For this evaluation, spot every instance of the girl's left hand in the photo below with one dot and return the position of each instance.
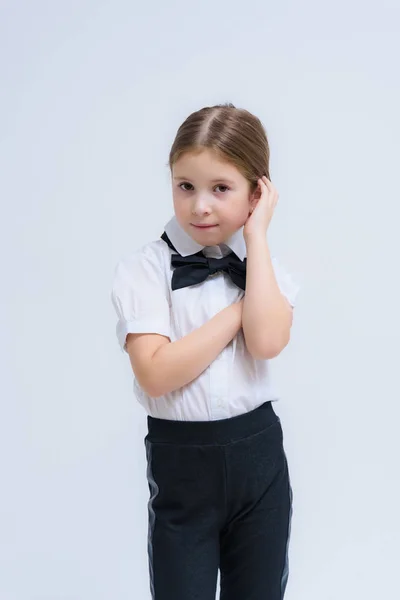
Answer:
(260, 216)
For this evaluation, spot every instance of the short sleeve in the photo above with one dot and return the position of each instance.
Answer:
(287, 284)
(140, 296)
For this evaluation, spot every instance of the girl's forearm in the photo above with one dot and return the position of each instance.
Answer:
(178, 363)
(266, 314)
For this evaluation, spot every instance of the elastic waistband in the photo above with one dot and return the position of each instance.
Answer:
(222, 431)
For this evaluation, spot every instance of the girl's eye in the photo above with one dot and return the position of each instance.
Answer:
(223, 186)
(185, 183)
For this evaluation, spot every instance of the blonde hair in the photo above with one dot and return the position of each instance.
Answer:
(234, 134)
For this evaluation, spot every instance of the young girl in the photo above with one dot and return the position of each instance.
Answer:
(201, 312)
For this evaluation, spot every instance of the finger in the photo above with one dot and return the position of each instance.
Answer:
(262, 184)
(269, 185)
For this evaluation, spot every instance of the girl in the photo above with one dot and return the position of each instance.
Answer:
(201, 312)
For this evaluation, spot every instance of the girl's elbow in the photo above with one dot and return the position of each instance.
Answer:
(260, 354)
(268, 351)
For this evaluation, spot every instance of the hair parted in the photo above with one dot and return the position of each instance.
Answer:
(234, 134)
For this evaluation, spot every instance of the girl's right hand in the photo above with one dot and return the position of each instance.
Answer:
(238, 310)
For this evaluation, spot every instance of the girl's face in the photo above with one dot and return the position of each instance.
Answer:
(209, 191)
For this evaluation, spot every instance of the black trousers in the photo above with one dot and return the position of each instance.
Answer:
(220, 499)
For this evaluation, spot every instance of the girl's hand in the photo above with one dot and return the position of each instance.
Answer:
(237, 308)
(260, 216)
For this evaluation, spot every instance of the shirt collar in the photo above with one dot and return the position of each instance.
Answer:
(185, 245)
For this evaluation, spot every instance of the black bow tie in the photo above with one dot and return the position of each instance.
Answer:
(189, 270)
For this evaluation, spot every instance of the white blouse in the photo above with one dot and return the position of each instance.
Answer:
(235, 382)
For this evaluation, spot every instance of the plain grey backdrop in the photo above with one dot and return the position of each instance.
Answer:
(92, 93)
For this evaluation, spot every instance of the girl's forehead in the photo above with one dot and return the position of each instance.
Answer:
(204, 164)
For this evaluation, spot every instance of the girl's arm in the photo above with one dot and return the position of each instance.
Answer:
(162, 366)
(267, 315)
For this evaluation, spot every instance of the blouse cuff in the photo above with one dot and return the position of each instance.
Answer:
(140, 326)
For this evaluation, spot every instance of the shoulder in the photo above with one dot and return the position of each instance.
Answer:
(153, 254)
(145, 271)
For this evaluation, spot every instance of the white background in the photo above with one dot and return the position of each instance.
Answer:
(92, 93)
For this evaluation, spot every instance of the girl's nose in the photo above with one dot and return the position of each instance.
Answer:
(201, 206)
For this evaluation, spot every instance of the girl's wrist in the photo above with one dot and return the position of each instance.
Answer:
(255, 239)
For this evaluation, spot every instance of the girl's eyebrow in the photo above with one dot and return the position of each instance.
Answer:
(222, 179)
(212, 181)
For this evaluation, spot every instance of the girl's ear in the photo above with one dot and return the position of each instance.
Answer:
(257, 193)
(252, 204)
(254, 197)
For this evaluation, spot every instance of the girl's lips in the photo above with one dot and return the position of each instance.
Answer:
(203, 226)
